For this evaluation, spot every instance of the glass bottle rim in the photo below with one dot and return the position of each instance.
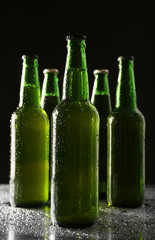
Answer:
(126, 58)
(50, 70)
(97, 71)
(28, 56)
(76, 36)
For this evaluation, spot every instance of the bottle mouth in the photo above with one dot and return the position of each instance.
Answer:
(97, 71)
(29, 56)
(30, 60)
(50, 70)
(76, 36)
(127, 58)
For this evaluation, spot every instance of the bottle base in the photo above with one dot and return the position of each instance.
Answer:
(73, 222)
(125, 205)
(29, 205)
(73, 225)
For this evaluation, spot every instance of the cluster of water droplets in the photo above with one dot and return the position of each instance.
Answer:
(113, 223)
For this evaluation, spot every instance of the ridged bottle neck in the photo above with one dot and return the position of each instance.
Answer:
(101, 85)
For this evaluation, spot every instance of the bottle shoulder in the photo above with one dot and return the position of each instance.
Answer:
(76, 107)
(30, 114)
(122, 115)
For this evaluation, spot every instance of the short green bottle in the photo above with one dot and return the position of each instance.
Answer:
(29, 170)
(126, 136)
(101, 100)
(75, 131)
(50, 98)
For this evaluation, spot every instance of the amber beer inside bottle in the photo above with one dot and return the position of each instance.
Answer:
(29, 170)
(75, 128)
(126, 132)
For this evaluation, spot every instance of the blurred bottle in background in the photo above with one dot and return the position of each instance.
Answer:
(101, 100)
(50, 98)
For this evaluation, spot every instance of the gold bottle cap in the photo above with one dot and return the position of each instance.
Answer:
(50, 70)
(101, 71)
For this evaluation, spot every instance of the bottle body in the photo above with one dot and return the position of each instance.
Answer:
(75, 180)
(126, 143)
(126, 167)
(29, 182)
(29, 169)
(101, 100)
(50, 103)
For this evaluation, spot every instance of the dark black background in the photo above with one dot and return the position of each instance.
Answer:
(112, 29)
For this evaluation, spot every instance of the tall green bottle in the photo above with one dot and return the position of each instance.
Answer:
(126, 131)
(101, 100)
(75, 128)
(50, 98)
(29, 181)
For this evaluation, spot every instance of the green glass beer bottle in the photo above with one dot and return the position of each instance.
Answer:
(126, 130)
(75, 128)
(101, 100)
(50, 98)
(29, 170)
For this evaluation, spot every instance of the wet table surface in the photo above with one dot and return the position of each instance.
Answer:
(113, 223)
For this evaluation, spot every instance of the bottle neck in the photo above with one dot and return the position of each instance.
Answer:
(101, 86)
(75, 85)
(50, 85)
(126, 92)
(30, 87)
